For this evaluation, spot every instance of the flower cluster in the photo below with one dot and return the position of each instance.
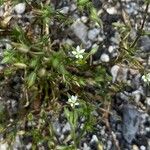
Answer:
(146, 78)
(78, 53)
(72, 101)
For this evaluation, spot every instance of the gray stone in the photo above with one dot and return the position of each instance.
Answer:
(93, 33)
(57, 128)
(145, 43)
(64, 10)
(66, 128)
(1, 11)
(130, 124)
(80, 30)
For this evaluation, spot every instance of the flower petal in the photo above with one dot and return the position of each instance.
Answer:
(70, 100)
(74, 52)
(77, 56)
(72, 105)
(78, 48)
(76, 104)
(82, 51)
(80, 56)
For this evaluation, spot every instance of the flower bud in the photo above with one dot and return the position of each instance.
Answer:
(42, 72)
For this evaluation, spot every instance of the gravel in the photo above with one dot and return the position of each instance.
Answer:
(130, 123)
(129, 117)
(20, 8)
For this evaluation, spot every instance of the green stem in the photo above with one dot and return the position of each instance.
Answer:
(73, 130)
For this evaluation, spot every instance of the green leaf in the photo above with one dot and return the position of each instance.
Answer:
(20, 65)
(82, 2)
(31, 79)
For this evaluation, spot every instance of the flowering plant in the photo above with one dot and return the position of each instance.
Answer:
(78, 53)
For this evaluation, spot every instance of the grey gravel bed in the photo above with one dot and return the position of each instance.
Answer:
(130, 114)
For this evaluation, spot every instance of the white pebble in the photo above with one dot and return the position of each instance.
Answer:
(111, 10)
(142, 147)
(94, 139)
(84, 19)
(3, 146)
(148, 101)
(20, 8)
(1, 11)
(105, 58)
(114, 72)
(86, 147)
(111, 49)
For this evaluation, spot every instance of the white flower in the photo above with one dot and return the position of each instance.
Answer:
(73, 101)
(78, 53)
(146, 78)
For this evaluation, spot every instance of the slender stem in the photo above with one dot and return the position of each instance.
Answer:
(73, 130)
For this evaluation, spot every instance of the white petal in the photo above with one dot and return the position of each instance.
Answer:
(77, 56)
(78, 48)
(76, 104)
(70, 100)
(82, 51)
(74, 99)
(71, 105)
(74, 52)
(80, 56)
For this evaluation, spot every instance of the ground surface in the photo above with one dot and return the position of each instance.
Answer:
(121, 118)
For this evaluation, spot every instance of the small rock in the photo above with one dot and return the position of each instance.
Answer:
(109, 144)
(116, 39)
(104, 58)
(136, 95)
(130, 123)
(66, 128)
(114, 72)
(57, 128)
(18, 143)
(111, 10)
(135, 147)
(68, 41)
(94, 139)
(84, 19)
(97, 3)
(80, 30)
(1, 11)
(64, 10)
(20, 8)
(111, 48)
(92, 34)
(148, 101)
(3, 146)
(86, 147)
(145, 43)
(73, 7)
(142, 147)
(29, 146)
(122, 74)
